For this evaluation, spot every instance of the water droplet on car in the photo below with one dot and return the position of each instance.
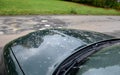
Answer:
(8, 71)
(45, 62)
(118, 52)
(40, 66)
(107, 53)
(48, 58)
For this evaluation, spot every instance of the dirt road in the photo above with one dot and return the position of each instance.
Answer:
(104, 24)
(16, 26)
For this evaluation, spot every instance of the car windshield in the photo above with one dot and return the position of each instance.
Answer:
(104, 62)
(39, 53)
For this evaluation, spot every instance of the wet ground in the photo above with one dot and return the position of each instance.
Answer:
(103, 24)
(12, 27)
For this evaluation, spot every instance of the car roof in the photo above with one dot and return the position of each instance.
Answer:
(42, 51)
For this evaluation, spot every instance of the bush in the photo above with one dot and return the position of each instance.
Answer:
(104, 3)
(100, 3)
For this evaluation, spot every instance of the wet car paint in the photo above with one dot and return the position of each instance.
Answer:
(42, 51)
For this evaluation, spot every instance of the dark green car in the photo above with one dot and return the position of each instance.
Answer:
(62, 52)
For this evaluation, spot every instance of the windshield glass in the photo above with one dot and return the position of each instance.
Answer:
(104, 62)
(39, 53)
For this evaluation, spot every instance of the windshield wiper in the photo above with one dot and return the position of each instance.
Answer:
(79, 57)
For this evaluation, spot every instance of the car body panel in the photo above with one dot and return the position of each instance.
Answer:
(40, 52)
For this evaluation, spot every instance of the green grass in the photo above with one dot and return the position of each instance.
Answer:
(49, 7)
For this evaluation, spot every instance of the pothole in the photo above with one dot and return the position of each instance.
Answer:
(13, 25)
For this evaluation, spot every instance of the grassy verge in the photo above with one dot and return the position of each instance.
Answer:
(49, 7)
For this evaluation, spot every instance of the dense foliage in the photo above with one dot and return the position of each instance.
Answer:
(100, 3)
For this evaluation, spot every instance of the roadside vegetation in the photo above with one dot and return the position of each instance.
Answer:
(100, 3)
(50, 7)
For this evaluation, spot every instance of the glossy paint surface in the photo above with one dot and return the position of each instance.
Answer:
(40, 52)
(104, 62)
